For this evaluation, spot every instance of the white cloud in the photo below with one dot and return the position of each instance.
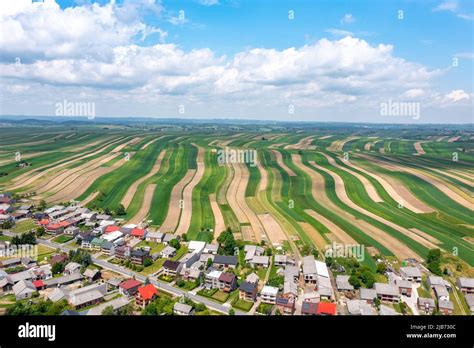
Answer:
(96, 50)
(347, 19)
(209, 2)
(339, 32)
(465, 55)
(457, 95)
(453, 6)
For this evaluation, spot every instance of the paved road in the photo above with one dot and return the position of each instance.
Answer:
(127, 272)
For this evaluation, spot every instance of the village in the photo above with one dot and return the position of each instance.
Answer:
(89, 263)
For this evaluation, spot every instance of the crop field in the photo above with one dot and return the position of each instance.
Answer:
(397, 192)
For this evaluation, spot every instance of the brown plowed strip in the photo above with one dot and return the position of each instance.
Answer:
(315, 236)
(145, 208)
(219, 224)
(29, 178)
(397, 191)
(419, 148)
(232, 196)
(302, 144)
(185, 218)
(174, 210)
(279, 159)
(274, 231)
(463, 174)
(426, 236)
(457, 177)
(89, 198)
(449, 190)
(247, 233)
(127, 199)
(371, 191)
(342, 195)
(241, 171)
(319, 193)
(338, 145)
(65, 177)
(342, 236)
(81, 184)
(262, 185)
(150, 142)
(453, 139)
(130, 142)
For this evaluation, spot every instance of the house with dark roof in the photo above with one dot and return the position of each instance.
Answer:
(248, 291)
(227, 282)
(91, 274)
(466, 285)
(286, 306)
(172, 268)
(137, 256)
(129, 287)
(224, 261)
(309, 308)
(426, 305)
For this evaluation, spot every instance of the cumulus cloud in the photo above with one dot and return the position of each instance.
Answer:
(453, 6)
(58, 62)
(457, 95)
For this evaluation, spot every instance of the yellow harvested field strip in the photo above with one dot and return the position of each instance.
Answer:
(340, 234)
(89, 198)
(279, 159)
(232, 193)
(150, 142)
(315, 236)
(426, 236)
(145, 207)
(319, 193)
(449, 190)
(219, 224)
(273, 229)
(325, 137)
(30, 177)
(338, 145)
(342, 195)
(262, 185)
(419, 148)
(79, 186)
(397, 191)
(186, 213)
(176, 203)
(370, 189)
(302, 144)
(457, 177)
(127, 199)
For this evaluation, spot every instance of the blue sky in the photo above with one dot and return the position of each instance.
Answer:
(228, 58)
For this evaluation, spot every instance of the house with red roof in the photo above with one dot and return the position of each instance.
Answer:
(39, 285)
(138, 233)
(326, 308)
(129, 287)
(145, 295)
(111, 228)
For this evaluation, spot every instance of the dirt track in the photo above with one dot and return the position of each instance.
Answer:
(186, 214)
(146, 205)
(127, 199)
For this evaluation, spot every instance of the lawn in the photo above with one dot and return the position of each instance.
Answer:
(242, 305)
(5, 238)
(62, 239)
(44, 252)
(24, 226)
(154, 247)
(264, 308)
(154, 267)
(220, 296)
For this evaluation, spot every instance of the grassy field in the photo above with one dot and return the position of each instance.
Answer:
(440, 177)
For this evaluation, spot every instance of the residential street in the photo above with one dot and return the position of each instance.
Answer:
(129, 273)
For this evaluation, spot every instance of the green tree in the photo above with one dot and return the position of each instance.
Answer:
(226, 242)
(381, 267)
(231, 311)
(109, 310)
(120, 210)
(175, 243)
(147, 262)
(57, 268)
